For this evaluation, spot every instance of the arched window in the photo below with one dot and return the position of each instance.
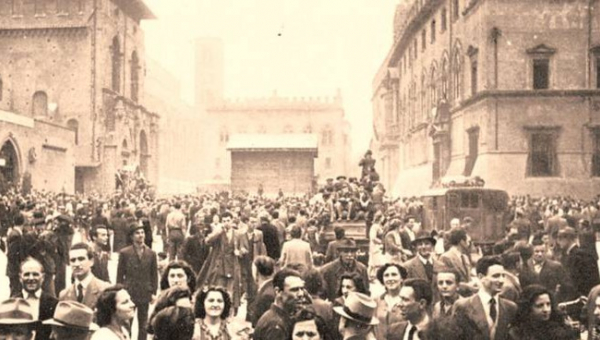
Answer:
(116, 64)
(444, 90)
(40, 104)
(433, 88)
(135, 67)
(73, 124)
(457, 81)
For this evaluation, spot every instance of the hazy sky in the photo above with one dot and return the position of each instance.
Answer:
(300, 48)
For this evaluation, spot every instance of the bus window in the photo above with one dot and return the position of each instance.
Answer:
(469, 200)
(453, 201)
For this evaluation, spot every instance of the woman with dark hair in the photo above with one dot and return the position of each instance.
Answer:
(175, 296)
(538, 319)
(174, 323)
(212, 307)
(349, 282)
(178, 273)
(114, 312)
(306, 324)
(391, 276)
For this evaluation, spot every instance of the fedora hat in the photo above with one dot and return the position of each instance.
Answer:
(347, 243)
(16, 311)
(73, 314)
(423, 235)
(360, 308)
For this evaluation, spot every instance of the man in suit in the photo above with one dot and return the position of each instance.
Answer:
(15, 253)
(99, 235)
(263, 270)
(42, 304)
(579, 262)
(296, 250)
(422, 266)
(270, 237)
(548, 273)
(485, 315)
(137, 271)
(86, 288)
(346, 263)
(415, 298)
(456, 258)
(332, 248)
(447, 281)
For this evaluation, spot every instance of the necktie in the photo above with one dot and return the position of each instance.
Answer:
(411, 333)
(429, 270)
(493, 312)
(80, 293)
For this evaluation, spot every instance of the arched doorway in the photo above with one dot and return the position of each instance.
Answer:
(144, 154)
(9, 162)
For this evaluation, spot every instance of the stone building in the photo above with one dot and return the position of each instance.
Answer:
(323, 118)
(78, 66)
(506, 90)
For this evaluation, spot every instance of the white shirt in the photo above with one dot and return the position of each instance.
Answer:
(485, 301)
(34, 301)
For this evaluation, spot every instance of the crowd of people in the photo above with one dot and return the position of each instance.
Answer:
(277, 258)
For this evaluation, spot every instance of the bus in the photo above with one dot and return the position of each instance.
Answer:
(487, 208)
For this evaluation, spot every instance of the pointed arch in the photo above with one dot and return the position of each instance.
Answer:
(10, 166)
(444, 76)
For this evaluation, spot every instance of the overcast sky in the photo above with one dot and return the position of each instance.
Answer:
(300, 48)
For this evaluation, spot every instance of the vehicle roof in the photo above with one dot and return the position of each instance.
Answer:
(443, 191)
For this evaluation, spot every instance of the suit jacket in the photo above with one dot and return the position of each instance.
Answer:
(90, 295)
(47, 306)
(470, 316)
(138, 274)
(551, 276)
(583, 270)
(271, 240)
(416, 268)
(261, 303)
(450, 259)
(397, 330)
(332, 251)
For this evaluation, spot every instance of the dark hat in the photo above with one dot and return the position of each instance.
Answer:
(340, 177)
(347, 244)
(38, 218)
(423, 235)
(133, 226)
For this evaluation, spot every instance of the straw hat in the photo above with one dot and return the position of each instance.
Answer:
(358, 307)
(73, 314)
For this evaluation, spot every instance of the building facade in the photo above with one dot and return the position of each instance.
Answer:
(324, 118)
(79, 65)
(505, 90)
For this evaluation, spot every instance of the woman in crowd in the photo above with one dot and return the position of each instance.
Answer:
(176, 296)
(174, 323)
(178, 273)
(114, 312)
(391, 276)
(350, 282)
(306, 324)
(538, 319)
(212, 307)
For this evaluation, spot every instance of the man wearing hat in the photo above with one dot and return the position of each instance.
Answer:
(137, 270)
(357, 317)
(345, 264)
(422, 266)
(16, 320)
(72, 320)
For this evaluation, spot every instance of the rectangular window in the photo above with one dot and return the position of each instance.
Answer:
(423, 39)
(432, 31)
(473, 151)
(416, 44)
(455, 10)
(596, 154)
(444, 19)
(541, 73)
(598, 72)
(543, 160)
(474, 77)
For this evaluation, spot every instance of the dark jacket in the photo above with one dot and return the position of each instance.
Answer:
(47, 306)
(333, 271)
(261, 303)
(583, 270)
(470, 316)
(195, 251)
(275, 324)
(139, 275)
(271, 240)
